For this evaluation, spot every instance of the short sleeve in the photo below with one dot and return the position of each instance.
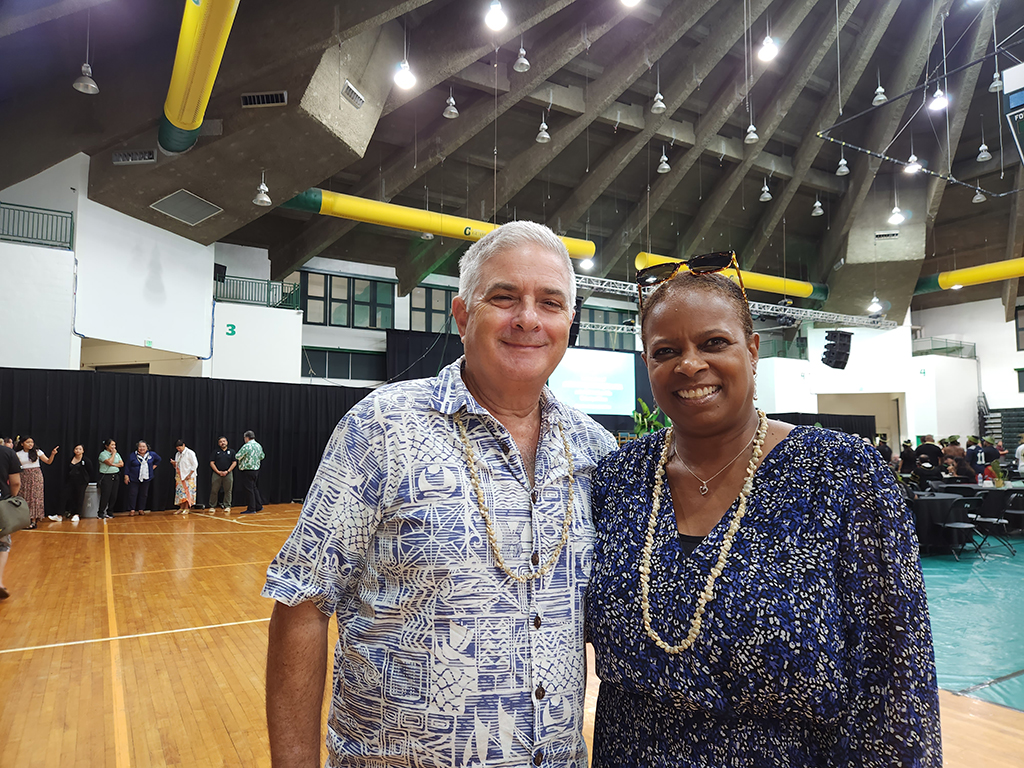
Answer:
(326, 553)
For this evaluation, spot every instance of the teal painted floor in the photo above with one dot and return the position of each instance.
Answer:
(977, 612)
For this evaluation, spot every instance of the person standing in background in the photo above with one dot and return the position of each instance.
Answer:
(137, 476)
(110, 465)
(249, 457)
(32, 478)
(185, 467)
(223, 463)
(10, 485)
(79, 475)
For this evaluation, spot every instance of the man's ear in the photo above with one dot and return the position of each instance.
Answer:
(461, 314)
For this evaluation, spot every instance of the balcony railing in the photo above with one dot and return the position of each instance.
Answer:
(37, 226)
(265, 293)
(945, 347)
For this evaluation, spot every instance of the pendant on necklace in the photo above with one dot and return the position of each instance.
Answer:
(703, 489)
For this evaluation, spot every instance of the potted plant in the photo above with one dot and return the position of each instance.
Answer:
(1000, 475)
(645, 420)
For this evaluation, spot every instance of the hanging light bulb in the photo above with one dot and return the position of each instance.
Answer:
(897, 216)
(543, 137)
(912, 165)
(521, 65)
(85, 83)
(843, 169)
(996, 86)
(979, 196)
(817, 210)
(880, 97)
(983, 154)
(939, 101)
(587, 264)
(262, 199)
(663, 166)
(451, 111)
(875, 305)
(631, 3)
(766, 194)
(404, 78)
(658, 105)
(495, 18)
(751, 137)
(769, 50)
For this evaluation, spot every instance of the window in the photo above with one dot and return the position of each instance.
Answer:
(602, 339)
(1020, 379)
(337, 364)
(1019, 316)
(347, 302)
(429, 309)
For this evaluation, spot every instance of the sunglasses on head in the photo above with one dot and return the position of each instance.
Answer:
(705, 264)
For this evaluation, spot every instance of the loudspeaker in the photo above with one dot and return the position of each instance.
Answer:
(837, 349)
(574, 329)
(220, 273)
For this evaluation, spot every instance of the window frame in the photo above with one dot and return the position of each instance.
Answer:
(428, 311)
(374, 305)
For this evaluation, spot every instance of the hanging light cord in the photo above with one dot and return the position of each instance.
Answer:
(839, 64)
(88, 25)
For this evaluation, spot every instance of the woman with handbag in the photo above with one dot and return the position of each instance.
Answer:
(32, 478)
(10, 485)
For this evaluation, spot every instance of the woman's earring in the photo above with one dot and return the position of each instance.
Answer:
(755, 385)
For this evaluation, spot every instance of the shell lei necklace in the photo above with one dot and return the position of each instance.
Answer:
(704, 483)
(708, 594)
(485, 512)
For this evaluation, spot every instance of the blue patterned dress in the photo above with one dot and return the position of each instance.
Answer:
(816, 650)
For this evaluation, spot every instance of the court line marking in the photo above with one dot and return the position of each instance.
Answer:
(191, 568)
(122, 757)
(131, 637)
(159, 533)
(251, 524)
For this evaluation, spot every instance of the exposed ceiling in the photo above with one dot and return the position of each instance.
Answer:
(596, 66)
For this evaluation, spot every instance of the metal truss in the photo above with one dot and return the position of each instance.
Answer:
(619, 288)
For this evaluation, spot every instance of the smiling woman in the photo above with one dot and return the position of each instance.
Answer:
(768, 609)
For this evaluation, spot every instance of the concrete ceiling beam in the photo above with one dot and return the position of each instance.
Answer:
(961, 84)
(881, 131)
(16, 22)
(1014, 245)
(786, 94)
(678, 17)
(453, 38)
(854, 64)
(725, 103)
(443, 137)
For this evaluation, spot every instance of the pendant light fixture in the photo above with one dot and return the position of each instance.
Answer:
(875, 305)
(983, 154)
(979, 196)
(262, 199)
(842, 169)
(543, 137)
(766, 194)
(658, 105)
(85, 83)
(495, 18)
(451, 111)
(939, 101)
(996, 86)
(897, 216)
(521, 64)
(769, 50)
(879, 97)
(663, 166)
(587, 265)
(404, 78)
(631, 3)
(816, 209)
(751, 137)
(912, 165)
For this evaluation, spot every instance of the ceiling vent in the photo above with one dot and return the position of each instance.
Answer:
(266, 99)
(186, 207)
(352, 95)
(134, 156)
(889, 234)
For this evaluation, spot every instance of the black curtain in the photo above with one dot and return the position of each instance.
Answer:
(291, 421)
(419, 355)
(854, 425)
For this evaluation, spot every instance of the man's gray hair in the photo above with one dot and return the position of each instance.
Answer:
(249, 434)
(510, 236)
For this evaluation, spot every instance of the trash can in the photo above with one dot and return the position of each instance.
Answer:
(92, 501)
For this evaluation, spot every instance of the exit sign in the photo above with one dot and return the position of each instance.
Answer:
(1013, 104)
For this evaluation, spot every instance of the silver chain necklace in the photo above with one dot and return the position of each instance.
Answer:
(704, 483)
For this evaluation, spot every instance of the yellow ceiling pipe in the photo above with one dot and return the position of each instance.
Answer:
(752, 281)
(411, 219)
(958, 278)
(205, 27)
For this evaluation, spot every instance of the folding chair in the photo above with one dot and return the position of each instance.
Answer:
(958, 525)
(990, 521)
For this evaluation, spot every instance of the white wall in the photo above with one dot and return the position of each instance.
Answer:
(38, 307)
(983, 323)
(951, 384)
(253, 343)
(243, 261)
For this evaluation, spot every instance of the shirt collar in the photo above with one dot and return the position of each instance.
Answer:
(450, 395)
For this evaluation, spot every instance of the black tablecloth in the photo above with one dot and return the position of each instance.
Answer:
(930, 513)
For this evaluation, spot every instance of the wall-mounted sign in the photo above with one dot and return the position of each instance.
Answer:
(1013, 104)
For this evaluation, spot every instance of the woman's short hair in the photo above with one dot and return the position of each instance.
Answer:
(509, 236)
(107, 442)
(713, 283)
(179, 443)
(141, 442)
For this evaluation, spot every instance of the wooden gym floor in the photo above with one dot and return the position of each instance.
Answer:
(142, 642)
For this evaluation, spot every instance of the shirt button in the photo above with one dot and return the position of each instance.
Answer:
(536, 622)
(534, 497)
(538, 757)
(535, 559)
(540, 691)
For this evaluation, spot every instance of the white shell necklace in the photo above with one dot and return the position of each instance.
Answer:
(708, 594)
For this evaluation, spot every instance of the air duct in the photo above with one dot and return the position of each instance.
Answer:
(412, 219)
(205, 27)
(984, 273)
(752, 281)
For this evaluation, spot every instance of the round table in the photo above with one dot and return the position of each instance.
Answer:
(930, 512)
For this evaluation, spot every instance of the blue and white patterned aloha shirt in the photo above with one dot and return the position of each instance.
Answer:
(442, 660)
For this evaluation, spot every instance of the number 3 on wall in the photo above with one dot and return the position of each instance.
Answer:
(231, 330)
